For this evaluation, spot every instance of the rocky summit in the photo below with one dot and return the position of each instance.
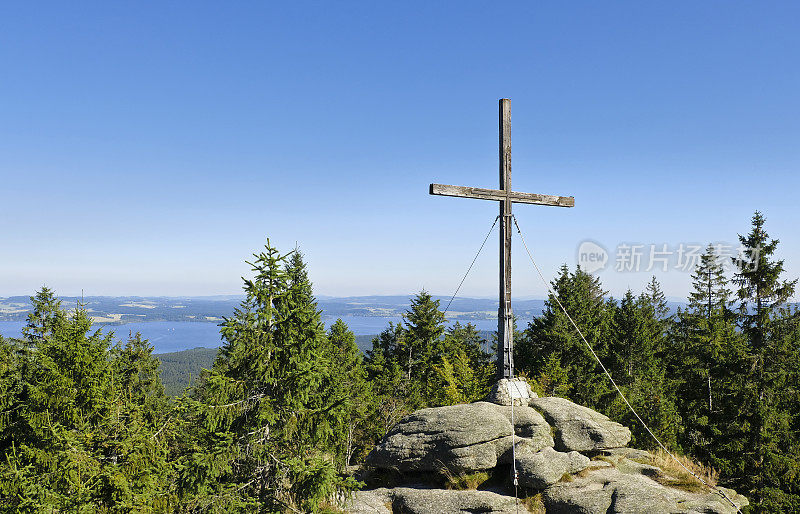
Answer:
(568, 458)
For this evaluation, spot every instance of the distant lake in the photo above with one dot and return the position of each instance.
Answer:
(174, 336)
(165, 336)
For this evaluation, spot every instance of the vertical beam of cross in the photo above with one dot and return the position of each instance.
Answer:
(505, 320)
(506, 196)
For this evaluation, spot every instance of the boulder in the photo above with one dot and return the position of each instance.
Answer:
(546, 467)
(532, 433)
(523, 446)
(610, 490)
(528, 422)
(628, 453)
(426, 501)
(372, 501)
(580, 428)
(459, 438)
(478, 436)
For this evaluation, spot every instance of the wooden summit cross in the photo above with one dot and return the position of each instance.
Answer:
(506, 197)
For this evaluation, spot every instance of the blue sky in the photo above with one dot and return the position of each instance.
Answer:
(148, 148)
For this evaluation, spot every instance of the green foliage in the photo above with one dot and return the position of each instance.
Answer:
(638, 331)
(45, 317)
(550, 340)
(83, 419)
(462, 372)
(708, 354)
(350, 377)
(394, 394)
(770, 400)
(424, 327)
(269, 416)
(474, 366)
(628, 336)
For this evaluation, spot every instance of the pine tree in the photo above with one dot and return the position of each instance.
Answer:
(350, 376)
(77, 441)
(635, 363)
(268, 415)
(423, 339)
(550, 347)
(706, 357)
(761, 294)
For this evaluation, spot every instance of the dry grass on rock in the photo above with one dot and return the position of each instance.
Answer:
(533, 504)
(674, 475)
(465, 481)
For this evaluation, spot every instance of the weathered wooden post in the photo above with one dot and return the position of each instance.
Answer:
(505, 319)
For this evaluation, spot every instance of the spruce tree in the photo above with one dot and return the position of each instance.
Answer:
(268, 415)
(659, 319)
(473, 370)
(762, 293)
(394, 394)
(423, 339)
(10, 388)
(77, 440)
(630, 349)
(45, 316)
(350, 376)
(706, 359)
(550, 347)
(636, 365)
(654, 296)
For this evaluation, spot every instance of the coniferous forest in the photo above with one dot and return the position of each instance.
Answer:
(288, 409)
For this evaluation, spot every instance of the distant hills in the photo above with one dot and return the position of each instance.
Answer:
(117, 310)
(129, 309)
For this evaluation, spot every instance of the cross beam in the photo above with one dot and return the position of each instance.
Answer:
(500, 195)
(506, 197)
